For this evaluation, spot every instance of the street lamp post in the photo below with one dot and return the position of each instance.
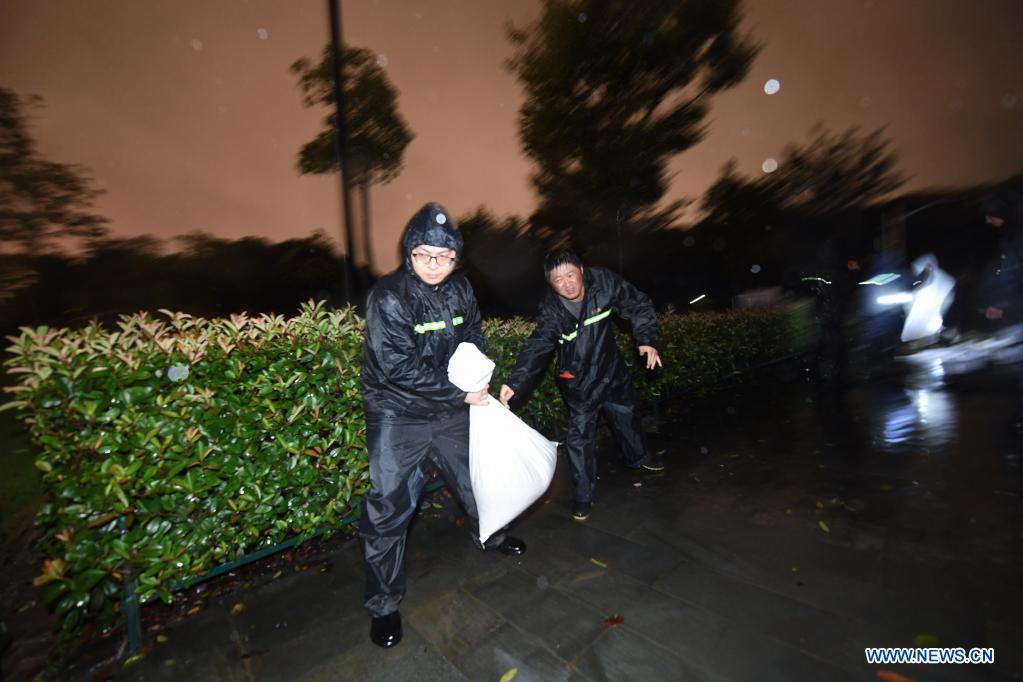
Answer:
(341, 142)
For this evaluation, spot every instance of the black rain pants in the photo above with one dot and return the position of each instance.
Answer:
(619, 410)
(398, 450)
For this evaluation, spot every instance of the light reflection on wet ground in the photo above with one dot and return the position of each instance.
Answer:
(922, 452)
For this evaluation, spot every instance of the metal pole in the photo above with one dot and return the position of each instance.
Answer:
(341, 141)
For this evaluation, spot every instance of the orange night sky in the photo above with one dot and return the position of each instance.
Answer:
(186, 114)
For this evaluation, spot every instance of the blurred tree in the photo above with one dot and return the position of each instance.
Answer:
(806, 214)
(40, 200)
(615, 90)
(377, 133)
(202, 275)
(830, 174)
(504, 262)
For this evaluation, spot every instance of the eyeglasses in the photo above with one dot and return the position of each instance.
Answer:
(425, 258)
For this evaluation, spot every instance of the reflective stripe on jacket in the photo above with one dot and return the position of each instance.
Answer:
(588, 359)
(412, 329)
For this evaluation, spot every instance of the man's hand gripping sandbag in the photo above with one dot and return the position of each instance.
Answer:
(510, 464)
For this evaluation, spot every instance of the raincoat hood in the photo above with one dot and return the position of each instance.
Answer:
(431, 226)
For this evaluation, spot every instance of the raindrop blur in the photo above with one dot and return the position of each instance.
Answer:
(956, 104)
(1009, 100)
(772, 86)
(704, 451)
(382, 61)
(719, 245)
(745, 132)
(408, 197)
(769, 166)
(196, 44)
(688, 241)
(582, 17)
(177, 372)
(755, 269)
(262, 33)
(866, 101)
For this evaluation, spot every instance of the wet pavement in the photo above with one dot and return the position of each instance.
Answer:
(794, 527)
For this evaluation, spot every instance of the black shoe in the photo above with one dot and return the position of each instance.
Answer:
(581, 510)
(652, 463)
(386, 630)
(511, 546)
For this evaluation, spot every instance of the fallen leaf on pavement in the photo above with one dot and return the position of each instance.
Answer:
(510, 675)
(614, 620)
(824, 526)
(249, 654)
(237, 609)
(135, 659)
(889, 676)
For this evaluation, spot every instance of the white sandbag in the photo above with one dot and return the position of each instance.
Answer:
(469, 369)
(510, 464)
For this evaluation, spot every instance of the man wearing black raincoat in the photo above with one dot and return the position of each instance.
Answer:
(415, 318)
(1002, 282)
(575, 320)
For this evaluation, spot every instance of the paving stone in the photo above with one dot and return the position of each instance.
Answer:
(679, 626)
(413, 660)
(455, 623)
(621, 654)
(506, 648)
(757, 609)
(566, 625)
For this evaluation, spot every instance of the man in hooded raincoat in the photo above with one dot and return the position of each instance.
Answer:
(574, 320)
(415, 318)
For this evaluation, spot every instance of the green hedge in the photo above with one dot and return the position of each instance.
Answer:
(699, 352)
(169, 447)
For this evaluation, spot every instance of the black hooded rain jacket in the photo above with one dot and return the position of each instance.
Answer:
(589, 363)
(413, 329)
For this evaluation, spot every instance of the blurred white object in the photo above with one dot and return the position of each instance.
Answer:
(510, 464)
(930, 300)
(895, 299)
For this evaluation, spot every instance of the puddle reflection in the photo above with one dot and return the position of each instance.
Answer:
(925, 413)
